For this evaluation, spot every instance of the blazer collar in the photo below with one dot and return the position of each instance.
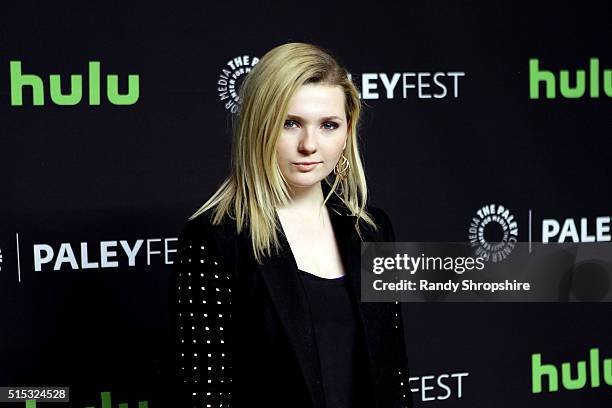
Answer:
(280, 273)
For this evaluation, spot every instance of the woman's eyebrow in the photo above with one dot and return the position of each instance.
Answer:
(296, 117)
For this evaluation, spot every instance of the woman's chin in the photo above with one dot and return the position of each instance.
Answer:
(304, 182)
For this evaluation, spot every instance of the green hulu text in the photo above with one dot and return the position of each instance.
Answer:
(105, 396)
(20, 80)
(597, 78)
(574, 376)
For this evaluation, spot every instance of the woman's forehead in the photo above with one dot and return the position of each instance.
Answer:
(317, 100)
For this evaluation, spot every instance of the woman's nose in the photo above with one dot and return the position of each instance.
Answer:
(308, 142)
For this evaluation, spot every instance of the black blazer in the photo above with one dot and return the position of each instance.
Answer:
(243, 332)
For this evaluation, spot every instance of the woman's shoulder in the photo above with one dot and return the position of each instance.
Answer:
(378, 214)
(385, 231)
(203, 228)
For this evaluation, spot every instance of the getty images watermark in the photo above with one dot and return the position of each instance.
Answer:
(457, 272)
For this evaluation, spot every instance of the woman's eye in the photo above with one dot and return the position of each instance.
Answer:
(333, 125)
(288, 123)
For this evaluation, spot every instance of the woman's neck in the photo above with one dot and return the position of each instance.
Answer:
(306, 201)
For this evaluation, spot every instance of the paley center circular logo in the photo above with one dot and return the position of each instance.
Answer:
(493, 232)
(231, 74)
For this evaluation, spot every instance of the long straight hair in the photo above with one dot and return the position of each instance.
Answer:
(255, 185)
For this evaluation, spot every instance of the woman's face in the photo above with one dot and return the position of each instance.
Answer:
(313, 136)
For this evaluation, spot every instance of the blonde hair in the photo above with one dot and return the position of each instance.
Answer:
(256, 185)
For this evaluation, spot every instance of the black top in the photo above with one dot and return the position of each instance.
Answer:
(341, 352)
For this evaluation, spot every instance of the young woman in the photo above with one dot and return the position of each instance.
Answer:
(267, 274)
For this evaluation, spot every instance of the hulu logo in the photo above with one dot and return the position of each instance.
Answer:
(538, 76)
(19, 80)
(106, 402)
(573, 375)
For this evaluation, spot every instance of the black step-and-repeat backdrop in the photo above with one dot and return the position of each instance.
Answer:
(115, 126)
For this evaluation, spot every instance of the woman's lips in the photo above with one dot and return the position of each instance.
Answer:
(306, 166)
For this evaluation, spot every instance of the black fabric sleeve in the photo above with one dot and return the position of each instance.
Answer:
(201, 312)
(402, 373)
